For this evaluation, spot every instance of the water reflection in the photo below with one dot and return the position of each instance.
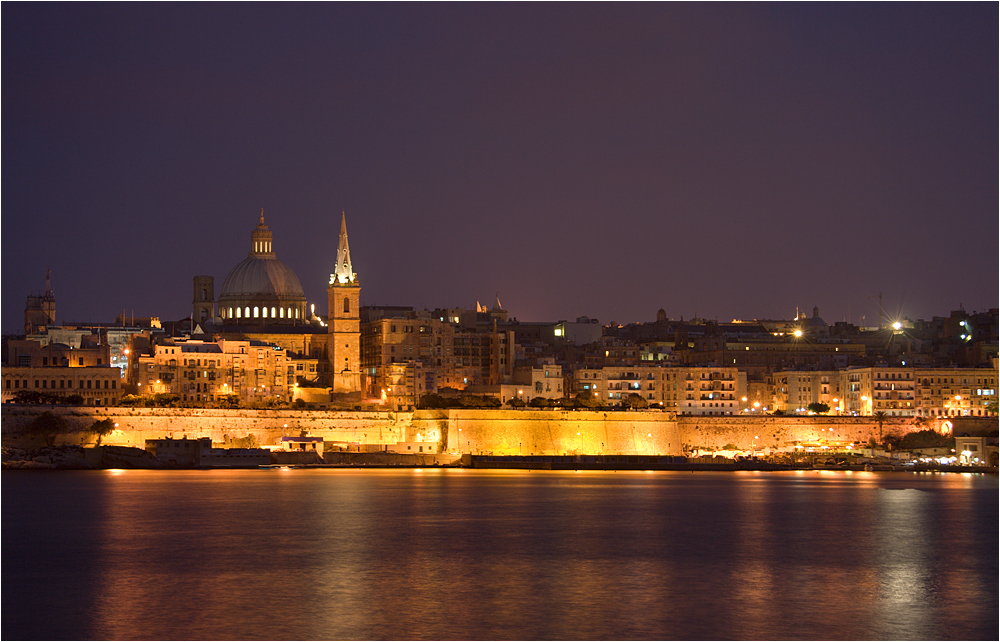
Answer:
(442, 554)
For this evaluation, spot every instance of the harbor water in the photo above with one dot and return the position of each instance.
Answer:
(498, 554)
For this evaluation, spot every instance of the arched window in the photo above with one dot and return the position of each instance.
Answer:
(282, 312)
(238, 315)
(296, 313)
(272, 312)
(265, 312)
(347, 305)
(246, 312)
(256, 311)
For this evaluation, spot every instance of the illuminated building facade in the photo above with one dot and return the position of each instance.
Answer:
(61, 370)
(201, 372)
(956, 392)
(879, 389)
(699, 390)
(795, 390)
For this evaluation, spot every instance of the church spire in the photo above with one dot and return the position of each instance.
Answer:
(343, 271)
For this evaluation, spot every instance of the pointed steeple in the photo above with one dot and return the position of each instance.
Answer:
(343, 272)
(497, 306)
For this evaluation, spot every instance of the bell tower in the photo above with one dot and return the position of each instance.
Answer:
(343, 349)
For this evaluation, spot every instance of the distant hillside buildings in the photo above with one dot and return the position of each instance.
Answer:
(260, 343)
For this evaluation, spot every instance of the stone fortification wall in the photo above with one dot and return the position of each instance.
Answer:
(136, 425)
(547, 432)
(782, 433)
(500, 432)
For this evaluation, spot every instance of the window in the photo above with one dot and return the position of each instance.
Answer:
(256, 311)
(347, 305)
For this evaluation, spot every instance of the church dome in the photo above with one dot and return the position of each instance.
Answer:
(256, 275)
(261, 290)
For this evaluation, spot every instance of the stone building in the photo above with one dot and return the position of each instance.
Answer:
(795, 390)
(879, 389)
(436, 351)
(697, 390)
(956, 392)
(61, 370)
(202, 373)
(40, 310)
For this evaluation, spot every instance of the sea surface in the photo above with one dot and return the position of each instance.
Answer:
(463, 554)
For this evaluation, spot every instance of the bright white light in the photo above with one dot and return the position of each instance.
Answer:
(897, 325)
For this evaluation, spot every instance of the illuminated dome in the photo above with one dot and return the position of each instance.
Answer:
(255, 276)
(261, 290)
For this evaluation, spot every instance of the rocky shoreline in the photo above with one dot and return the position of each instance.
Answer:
(78, 458)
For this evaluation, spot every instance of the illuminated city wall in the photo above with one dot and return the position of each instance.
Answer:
(136, 425)
(528, 432)
(501, 432)
(769, 433)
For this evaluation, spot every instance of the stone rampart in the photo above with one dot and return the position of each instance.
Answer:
(764, 433)
(547, 432)
(136, 425)
(500, 432)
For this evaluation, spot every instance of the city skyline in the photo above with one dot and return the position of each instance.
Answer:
(720, 162)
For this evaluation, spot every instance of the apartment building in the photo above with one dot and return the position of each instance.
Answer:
(200, 372)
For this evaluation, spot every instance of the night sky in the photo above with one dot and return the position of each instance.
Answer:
(713, 160)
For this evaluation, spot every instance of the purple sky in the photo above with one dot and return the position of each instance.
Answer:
(719, 160)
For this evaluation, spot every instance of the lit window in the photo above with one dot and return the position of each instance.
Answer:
(256, 311)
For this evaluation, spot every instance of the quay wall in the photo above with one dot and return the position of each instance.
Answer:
(499, 432)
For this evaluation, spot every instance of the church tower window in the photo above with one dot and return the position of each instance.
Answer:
(347, 305)
(256, 311)
(264, 313)
(272, 312)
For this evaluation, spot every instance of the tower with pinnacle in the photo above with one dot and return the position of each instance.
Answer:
(344, 320)
(40, 310)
